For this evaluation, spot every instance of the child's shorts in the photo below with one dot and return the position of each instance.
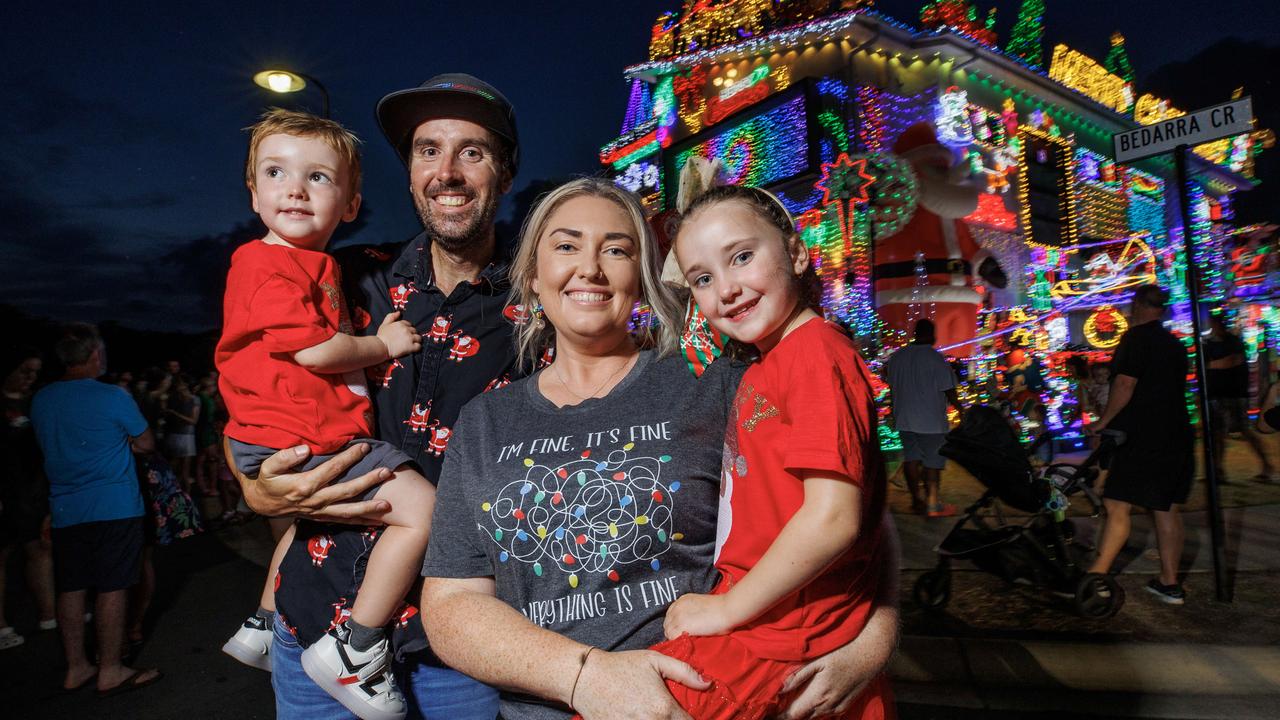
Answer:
(249, 459)
(747, 687)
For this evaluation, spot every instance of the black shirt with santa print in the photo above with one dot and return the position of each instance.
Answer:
(468, 348)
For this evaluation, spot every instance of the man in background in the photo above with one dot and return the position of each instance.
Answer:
(921, 385)
(1153, 467)
(88, 431)
(1227, 381)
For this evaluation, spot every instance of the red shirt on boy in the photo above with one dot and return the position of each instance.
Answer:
(281, 300)
(807, 405)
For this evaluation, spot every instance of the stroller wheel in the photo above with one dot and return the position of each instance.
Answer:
(1098, 596)
(932, 590)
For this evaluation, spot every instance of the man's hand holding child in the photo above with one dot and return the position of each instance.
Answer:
(400, 336)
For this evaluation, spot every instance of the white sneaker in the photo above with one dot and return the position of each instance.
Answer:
(51, 624)
(251, 644)
(360, 680)
(9, 638)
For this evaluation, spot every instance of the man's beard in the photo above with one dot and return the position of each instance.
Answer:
(456, 234)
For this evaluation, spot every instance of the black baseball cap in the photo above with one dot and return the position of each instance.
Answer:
(451, 95)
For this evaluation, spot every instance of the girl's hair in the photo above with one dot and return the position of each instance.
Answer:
(769, 208)
(533, 337)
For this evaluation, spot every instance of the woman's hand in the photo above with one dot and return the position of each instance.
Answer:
(637, 675)
(830, 684)
(308, 494)
(833, 681)
(697, 615)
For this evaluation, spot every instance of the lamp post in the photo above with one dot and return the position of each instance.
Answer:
(285, 81)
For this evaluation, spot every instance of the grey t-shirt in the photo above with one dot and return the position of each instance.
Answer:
(590, 518)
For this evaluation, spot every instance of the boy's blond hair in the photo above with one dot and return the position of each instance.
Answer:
(278, 121)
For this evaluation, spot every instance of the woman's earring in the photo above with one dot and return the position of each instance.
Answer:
(538, 316)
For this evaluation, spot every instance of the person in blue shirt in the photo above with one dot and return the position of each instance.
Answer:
(88, 432)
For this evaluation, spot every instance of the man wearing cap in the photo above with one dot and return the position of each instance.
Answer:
(457, 136)
(1153, 467)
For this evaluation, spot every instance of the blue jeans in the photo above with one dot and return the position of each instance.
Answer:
(433, 693)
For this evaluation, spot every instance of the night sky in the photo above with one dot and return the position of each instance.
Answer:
(121, 130)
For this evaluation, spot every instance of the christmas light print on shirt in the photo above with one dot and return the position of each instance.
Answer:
(586, 516)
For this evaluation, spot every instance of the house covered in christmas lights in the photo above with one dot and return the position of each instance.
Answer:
(807, 97)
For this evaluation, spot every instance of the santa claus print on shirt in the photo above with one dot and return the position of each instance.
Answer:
(464, 346)
(439, 329)
(419, 418)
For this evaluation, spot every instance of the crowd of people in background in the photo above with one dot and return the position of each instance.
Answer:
(170, 475)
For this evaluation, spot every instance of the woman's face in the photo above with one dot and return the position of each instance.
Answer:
(587, 274)
(23, 376)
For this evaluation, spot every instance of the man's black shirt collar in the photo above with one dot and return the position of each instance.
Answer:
(414, 263)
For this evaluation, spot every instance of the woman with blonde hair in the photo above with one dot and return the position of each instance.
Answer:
(576, 504)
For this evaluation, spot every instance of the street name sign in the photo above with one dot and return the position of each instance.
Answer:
(1201, 126)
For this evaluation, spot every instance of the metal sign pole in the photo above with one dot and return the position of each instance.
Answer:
(1221, 584)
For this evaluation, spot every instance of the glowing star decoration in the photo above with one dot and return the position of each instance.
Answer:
(844, 179)
(951, 116)
(1104, 326)
(844, 184)
(592, 515)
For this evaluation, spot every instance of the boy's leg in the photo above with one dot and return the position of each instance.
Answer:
(396, 559)
(268, 599)
(251, 644)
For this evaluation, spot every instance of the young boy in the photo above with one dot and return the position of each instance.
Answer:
(291, 375)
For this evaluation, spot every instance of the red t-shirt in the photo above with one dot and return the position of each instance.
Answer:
(281, 300)
(805, 406)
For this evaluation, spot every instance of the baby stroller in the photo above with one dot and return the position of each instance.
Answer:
(1038, 549)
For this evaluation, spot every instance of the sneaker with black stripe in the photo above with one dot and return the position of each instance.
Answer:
(251, 644)
(1168, 594)
(359, 679)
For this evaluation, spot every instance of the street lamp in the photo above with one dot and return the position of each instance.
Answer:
(284, 81)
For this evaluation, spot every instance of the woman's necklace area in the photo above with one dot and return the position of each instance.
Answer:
(555, 367)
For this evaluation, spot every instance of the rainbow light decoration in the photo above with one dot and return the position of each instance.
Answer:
(762, 150)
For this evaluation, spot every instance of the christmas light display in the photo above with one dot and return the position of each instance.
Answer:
(1026, 40)
(960, 17)
(1104, 272)
(1101, 202)
(1047, 211)
(760, 150)
(1074, 231)
(951, 117)
(1117, 62)
(1084, 75)
(1104, 326)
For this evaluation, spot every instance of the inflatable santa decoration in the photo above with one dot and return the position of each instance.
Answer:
(931, 268)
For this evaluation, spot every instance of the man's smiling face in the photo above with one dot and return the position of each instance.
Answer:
(457, 176)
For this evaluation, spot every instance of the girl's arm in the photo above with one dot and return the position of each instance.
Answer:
(824, 527)
(342, 353)
(480, 635)
(833, 681)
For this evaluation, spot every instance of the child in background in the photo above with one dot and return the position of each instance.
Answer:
(800, 540)
(291, 375)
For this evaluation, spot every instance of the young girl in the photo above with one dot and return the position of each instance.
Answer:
(800, 544)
